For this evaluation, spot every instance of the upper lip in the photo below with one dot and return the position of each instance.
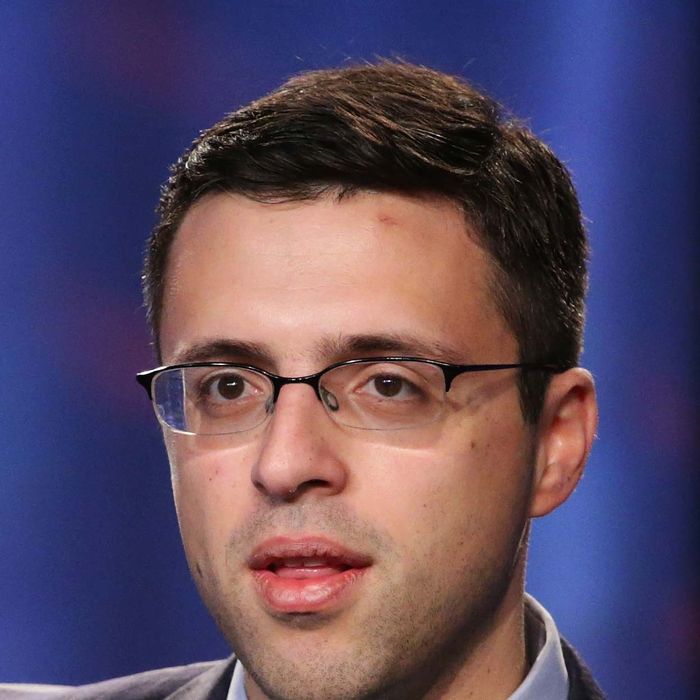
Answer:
(275, 549)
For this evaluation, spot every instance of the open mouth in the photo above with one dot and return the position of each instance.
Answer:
(302, 575)
(302, 568)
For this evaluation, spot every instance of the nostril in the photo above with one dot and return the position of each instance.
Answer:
(304, 487)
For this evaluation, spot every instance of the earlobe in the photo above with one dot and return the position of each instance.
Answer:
(565, 435)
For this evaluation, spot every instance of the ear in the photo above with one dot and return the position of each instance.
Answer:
(565, 434)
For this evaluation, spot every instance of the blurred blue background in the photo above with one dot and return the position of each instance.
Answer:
(97, 98)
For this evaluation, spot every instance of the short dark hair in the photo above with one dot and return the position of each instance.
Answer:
(397, 127)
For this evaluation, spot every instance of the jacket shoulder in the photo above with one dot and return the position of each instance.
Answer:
(31, 691)
(149, 685)
(582, 685)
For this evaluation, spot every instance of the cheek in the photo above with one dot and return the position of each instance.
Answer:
(419, 495)
(209, 495)
(455, 500)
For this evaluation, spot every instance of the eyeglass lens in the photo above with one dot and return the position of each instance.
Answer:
(372, 396)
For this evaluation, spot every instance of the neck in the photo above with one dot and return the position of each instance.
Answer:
(497, 664)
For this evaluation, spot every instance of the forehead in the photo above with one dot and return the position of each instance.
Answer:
(293, 275)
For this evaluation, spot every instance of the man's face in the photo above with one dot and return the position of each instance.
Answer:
(341, 560)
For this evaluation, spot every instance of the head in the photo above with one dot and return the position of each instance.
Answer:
(378, 210)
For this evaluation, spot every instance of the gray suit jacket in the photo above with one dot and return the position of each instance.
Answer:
(210, 681)
(203, 681)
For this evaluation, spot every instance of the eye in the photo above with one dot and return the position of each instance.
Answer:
(229, 387)
(222, 388)
(389, 386)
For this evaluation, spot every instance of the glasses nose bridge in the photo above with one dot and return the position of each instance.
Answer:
(312, 380)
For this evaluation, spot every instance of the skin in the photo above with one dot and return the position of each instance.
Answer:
(442, 511)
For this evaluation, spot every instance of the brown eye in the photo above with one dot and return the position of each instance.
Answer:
(388, 386)
(229, 387)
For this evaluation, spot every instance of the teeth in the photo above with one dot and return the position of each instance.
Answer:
(299, 563)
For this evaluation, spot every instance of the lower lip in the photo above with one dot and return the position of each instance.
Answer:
(305, 595)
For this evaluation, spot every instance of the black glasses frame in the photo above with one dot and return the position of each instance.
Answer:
(449, 371)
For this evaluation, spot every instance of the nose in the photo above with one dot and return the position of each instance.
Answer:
(300, 455)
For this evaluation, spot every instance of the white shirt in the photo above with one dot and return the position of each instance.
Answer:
(547, 679)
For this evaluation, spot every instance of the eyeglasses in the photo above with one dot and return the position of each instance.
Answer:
(378, 393)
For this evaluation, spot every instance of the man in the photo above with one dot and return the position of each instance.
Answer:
(366, 291)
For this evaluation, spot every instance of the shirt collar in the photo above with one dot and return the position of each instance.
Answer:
(236, 690)
(547, 678)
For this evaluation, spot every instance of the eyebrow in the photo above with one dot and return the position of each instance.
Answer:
(348, 346)
(225, 350)
(342, 347)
